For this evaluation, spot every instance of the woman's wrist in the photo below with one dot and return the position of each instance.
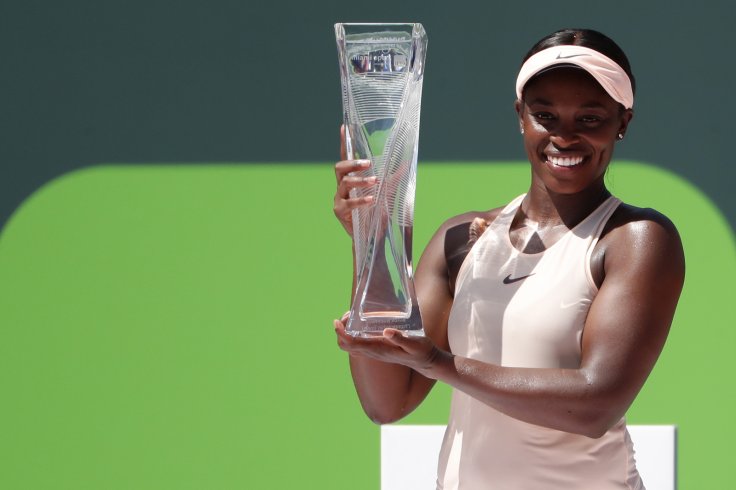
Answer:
(439, 362)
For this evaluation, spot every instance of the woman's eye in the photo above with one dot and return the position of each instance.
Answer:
(543, 116)
(590, 119)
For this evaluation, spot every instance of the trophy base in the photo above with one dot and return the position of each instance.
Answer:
(375, 334)
(372, 325)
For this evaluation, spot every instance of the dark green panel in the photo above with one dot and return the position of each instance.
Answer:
(158, 81)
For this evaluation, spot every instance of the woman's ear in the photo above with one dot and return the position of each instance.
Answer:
(518, 108)
(626, 117)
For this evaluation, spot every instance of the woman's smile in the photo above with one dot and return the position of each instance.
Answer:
(558, 161)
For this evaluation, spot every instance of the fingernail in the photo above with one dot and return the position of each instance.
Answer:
(369, 198)
(362, 163)
(370, 179)
(389, 334)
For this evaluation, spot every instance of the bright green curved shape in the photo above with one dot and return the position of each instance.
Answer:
(169, 327)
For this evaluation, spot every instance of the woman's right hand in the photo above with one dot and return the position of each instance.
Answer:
(347, 179)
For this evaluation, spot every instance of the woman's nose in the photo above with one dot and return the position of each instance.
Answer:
(564, 136)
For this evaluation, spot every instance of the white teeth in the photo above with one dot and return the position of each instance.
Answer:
(565, 161)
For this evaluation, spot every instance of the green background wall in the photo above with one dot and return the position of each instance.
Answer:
(166, 323)
(171, 328)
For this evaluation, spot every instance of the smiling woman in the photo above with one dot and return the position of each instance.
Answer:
(543, 314)
(570, 134)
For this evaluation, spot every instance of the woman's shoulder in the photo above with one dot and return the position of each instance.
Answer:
(469, 217)
(465, 219)
(456, 233)
(460, 229)
(634, 240)
(629, 220)
(635, 235)
(456, 236)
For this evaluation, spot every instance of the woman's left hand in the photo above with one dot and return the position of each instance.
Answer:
(418, 353)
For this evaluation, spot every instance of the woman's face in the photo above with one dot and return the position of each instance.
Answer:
(570, 126)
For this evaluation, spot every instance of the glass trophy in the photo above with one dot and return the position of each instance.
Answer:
(381, 70)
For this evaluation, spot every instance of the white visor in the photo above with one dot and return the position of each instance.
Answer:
(607, 72)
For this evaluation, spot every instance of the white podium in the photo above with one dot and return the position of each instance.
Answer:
(409, 455)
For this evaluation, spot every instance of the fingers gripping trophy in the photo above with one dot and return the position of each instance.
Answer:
(381, 70)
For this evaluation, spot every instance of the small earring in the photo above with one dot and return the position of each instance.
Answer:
(521, 129)
(620, 136)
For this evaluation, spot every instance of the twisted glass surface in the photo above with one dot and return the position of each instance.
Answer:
(382, 69)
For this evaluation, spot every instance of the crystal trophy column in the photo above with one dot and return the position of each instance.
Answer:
(381, 70)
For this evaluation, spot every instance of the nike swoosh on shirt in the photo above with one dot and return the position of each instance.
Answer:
(509, 280)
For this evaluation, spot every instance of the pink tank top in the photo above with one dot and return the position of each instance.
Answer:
(527, 310)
